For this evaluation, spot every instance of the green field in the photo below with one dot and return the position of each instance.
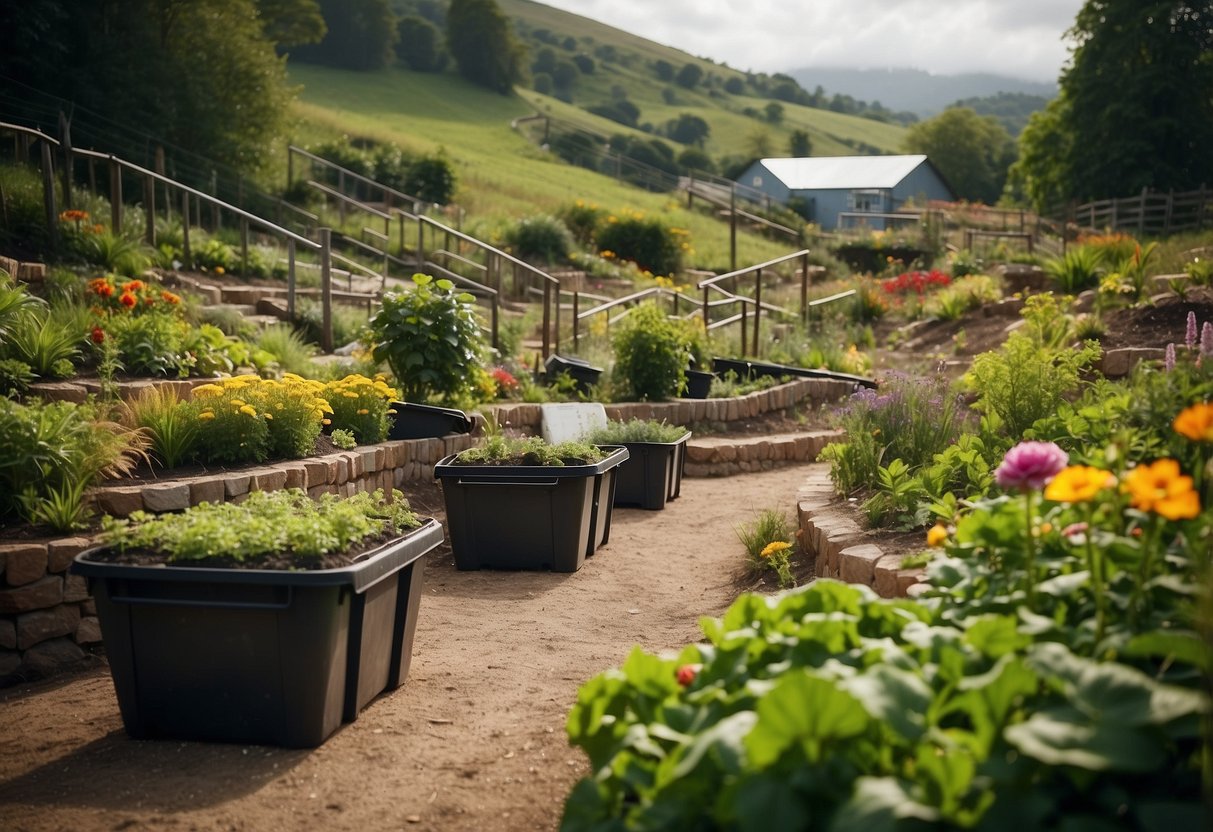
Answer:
(503, 176)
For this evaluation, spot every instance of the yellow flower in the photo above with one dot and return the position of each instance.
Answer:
(219, 270)
(1078, 484)
(207, 390)
(206, 415)
(238, 402)
(362, 411)
(1195, 422)
(937, 534)
(249, 410)
(1161, 488)
(774, 548)
(350, 395)
(268, 415)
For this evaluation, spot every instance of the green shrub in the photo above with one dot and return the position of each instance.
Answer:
(47, 345)
(112, 252)
(1079, 269)
(646, 241)
(168, 422)
(52, 453)
(582, 220)
(540, 238)
(650, 354)
(150, 344)
(431, 179)
(429, 336)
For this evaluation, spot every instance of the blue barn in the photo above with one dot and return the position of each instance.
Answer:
(832, 185)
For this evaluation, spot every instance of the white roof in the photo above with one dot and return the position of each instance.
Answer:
(818, 173)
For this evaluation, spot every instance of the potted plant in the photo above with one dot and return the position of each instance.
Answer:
(525, 504)
(271, 621)
(652, 473)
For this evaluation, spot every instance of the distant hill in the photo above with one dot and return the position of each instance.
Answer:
(915, 90)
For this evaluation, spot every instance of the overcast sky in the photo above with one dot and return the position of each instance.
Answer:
(1019, 38)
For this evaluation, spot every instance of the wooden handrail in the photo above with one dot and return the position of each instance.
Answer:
(417, 203)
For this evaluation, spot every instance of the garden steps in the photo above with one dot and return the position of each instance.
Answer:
(831, 534)
(722, 456)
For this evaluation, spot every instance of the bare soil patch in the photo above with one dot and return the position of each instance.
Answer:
(474, 740)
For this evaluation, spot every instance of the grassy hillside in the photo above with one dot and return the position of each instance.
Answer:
(632, 69)
(504, 177)
(501, 176)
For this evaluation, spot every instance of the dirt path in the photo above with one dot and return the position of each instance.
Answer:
(473, 741)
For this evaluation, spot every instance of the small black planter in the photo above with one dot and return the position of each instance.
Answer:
(699, 384)
(255, 655)
(582, 372)
(738, 366)
(528, 516)
(423, 421)
(652, 473)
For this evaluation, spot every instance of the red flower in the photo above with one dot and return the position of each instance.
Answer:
(102, 287)
(128, 300)
(686, 674)
(98, 335)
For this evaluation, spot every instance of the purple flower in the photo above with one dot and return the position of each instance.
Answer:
(1190, 335)
(1030, 466)
(1169, 358)
(1206, 339)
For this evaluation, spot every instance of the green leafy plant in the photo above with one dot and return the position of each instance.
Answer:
(344, 439)
(1079, 269)
(651, 353)
(268, 523)
(1012, 696)
(582, 220)
(55, 450)
(429, 336)
(151, 345)
(501, 450)
(636, 430)
(48, 346)
(112, 252)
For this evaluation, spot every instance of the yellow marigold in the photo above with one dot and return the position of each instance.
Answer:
(362, 411)
(350, 395)
(206, 415)
(1195, 422)
(937, 534)
(249, 409)
(1078, 484)
(774, 548)
(1162, 489)
(207, 390)
(268, 415)
(239, 403)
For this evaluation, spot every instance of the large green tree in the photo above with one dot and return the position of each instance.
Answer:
(478, 36)
(361, 35)
(972, 152)
(199, 75)
(1136, 105)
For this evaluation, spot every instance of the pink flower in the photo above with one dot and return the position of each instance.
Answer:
(1206, 339)
(1030, 466)
(1168, 360)
(1190, 334)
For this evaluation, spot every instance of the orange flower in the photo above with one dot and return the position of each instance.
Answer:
(937, 534)
(133, 286)
(101, 286)
(1078, 484)
(128, 300)
(169, 297)
(1162, 489)
(1195, 422)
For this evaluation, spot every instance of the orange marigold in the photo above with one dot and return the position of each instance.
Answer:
(1162, 489)
(1078, 484)
(1195, 422)
(128, 300)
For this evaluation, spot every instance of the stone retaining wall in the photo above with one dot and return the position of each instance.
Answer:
(724, 456)
(528, 417)
(47, 616)
(830, 534)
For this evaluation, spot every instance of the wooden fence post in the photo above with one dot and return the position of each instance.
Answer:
(48, 194)
(115, 197)
(757, 308)
(185, 228)
(326, 290)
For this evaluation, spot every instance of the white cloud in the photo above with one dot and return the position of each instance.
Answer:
(1022, 38)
